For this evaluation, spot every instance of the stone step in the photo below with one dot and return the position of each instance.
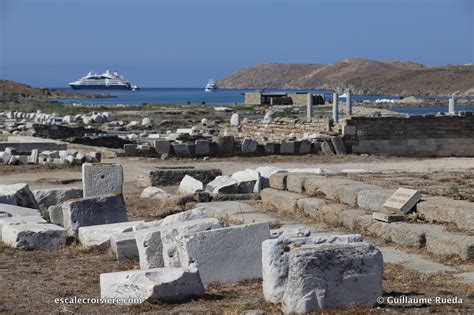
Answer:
(445, 210)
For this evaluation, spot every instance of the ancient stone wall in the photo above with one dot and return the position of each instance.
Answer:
(280, 129)
(412, 136)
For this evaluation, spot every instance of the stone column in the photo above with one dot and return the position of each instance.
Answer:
(335, 107)
(309, 106)
(452, 105)
(349, 102)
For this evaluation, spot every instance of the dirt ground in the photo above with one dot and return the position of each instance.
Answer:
(31, 280)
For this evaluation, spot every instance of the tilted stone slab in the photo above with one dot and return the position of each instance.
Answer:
(373, 199)
(447, 243)
(18, 194)
(445, 210)
(282, 200)
(190, 185)
(248, 181)
(51, 197)
(34, 236)
(310, 206)
(99, 235)
(402, 200)
(226, 255)
(223, 185)
(275, 253)
(124, 245)
(333, 276)
(158, 284)
(102, 179)
(93, 211)
(338, 145)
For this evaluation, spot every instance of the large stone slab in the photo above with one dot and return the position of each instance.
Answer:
(310, 206)
(51, 197)
(412, 235)
(172, 232)
(226, 255)
(8, 211)
(18, 194)
(190, 185)
(402, 200)
(338, 145)
(102, 179)
(124, 245)
(333, 186)
(330, 214)
(169, 176)
(150, 245)
(99, 235)
(445, 210)
(275, 253)
(333, 276)
(282, 200)
(34, 236)
(158, 284)
(447, 244)
(93, 211)
(373, 199)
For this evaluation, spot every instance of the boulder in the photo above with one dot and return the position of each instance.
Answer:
(275, 253)
(248, 181)
(158, 284)
(34, 236)
(93, 211)
(51, 197)
(18, 194)
(226, 255)
(235, 119)
(101, 179)
(190, 185)
(223, 185)
(333, 276)
(154, 193)
(99, 235)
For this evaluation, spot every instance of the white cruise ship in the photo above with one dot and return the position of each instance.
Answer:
(105, 81)
(211, 86)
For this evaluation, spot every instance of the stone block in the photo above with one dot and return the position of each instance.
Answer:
(373, 199)
(326, 149)
(446, 210)
(270, 148)
(158, 284)
(124, 245)
(162, 146)
(193, 214)
(99, 235)
(388, 217)
(190, 185)
(9, 211)
(330, 214)
(169, 176)
(350, 218)
(333, 186)
(412, 235)
(19, 220)
(295, 182)
(305, 147)
(275, 253)
(34, 236)
(226, 255)
(55, 214)
(402, 200)
(331, 276)
(282, 200)
(150, 245)
(312, 184)
(51, 197)
(102, 179)
(248, 181)
(93, 211)
(278, 181)
(18, 194)
(266, 172)
(225, 144)
(338, 145)
(287, 147)
(447, 244)
(249, 146)
(170, 234)
(223, 185)
(202, 147)
(348, 193)
(310, 206)
(181, 149)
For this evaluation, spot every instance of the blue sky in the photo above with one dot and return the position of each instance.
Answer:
(179, 43)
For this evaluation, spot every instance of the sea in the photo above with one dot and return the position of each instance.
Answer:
(197, 96)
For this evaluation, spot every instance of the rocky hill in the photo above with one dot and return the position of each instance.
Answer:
(11, 91)
(363, 76)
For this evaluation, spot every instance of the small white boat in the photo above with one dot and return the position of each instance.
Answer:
(134, 87)
(211, 86)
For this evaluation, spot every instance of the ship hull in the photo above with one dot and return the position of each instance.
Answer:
(100, 87)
